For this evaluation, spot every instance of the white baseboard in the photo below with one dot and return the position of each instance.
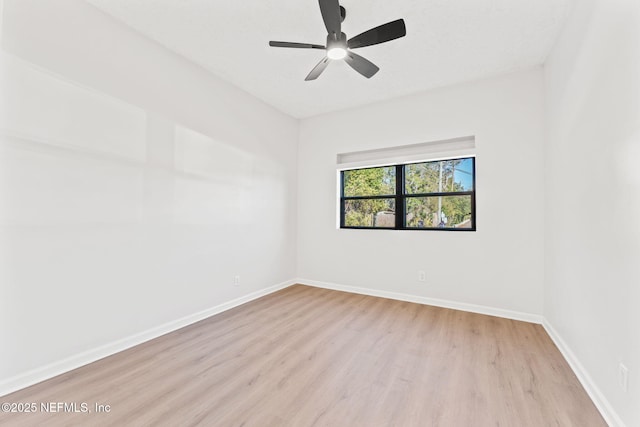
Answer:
(601, 402)
(56, 368)
(473, 308)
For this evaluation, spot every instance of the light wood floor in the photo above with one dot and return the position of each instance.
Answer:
(314, 357)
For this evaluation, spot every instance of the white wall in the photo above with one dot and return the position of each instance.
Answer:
(592, 249)
(134, 186)
(500, 265)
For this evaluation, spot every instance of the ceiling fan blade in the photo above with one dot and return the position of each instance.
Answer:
(296, 45)
(361, 65)
(318, 69)
(383, 33)
(330, 10)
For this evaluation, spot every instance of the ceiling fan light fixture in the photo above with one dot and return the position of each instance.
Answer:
(337, 53)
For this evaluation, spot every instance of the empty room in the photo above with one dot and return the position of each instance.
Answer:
(320, 213)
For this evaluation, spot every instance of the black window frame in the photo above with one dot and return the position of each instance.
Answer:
(400, 198)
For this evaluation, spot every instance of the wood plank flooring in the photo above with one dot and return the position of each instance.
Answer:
(314, 357)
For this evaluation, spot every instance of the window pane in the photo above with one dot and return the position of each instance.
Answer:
(439, 177)
(370, 182)
(439, 212)
(370, 213)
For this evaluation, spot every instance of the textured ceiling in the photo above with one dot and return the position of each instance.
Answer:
(447, 42)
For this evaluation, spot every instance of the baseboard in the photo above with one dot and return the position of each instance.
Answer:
(49, 371)
(473, 308)
(601, 402)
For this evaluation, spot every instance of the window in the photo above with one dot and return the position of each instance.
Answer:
(438, 195)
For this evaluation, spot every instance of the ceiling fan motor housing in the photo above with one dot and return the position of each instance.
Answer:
(341, 42)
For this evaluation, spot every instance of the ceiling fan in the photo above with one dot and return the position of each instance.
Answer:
(338, 47)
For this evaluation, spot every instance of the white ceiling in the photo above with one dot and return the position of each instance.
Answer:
(447, 42)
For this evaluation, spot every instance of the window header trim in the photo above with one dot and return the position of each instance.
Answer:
(404, 154)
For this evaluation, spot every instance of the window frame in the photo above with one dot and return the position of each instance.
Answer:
(401, 197)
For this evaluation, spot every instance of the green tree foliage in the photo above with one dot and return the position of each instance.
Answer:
(368, 182)
(424, 211)
(436, 177)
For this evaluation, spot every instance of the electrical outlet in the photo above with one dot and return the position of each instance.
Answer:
(422, 276)
(624, 377)
(236, 280)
